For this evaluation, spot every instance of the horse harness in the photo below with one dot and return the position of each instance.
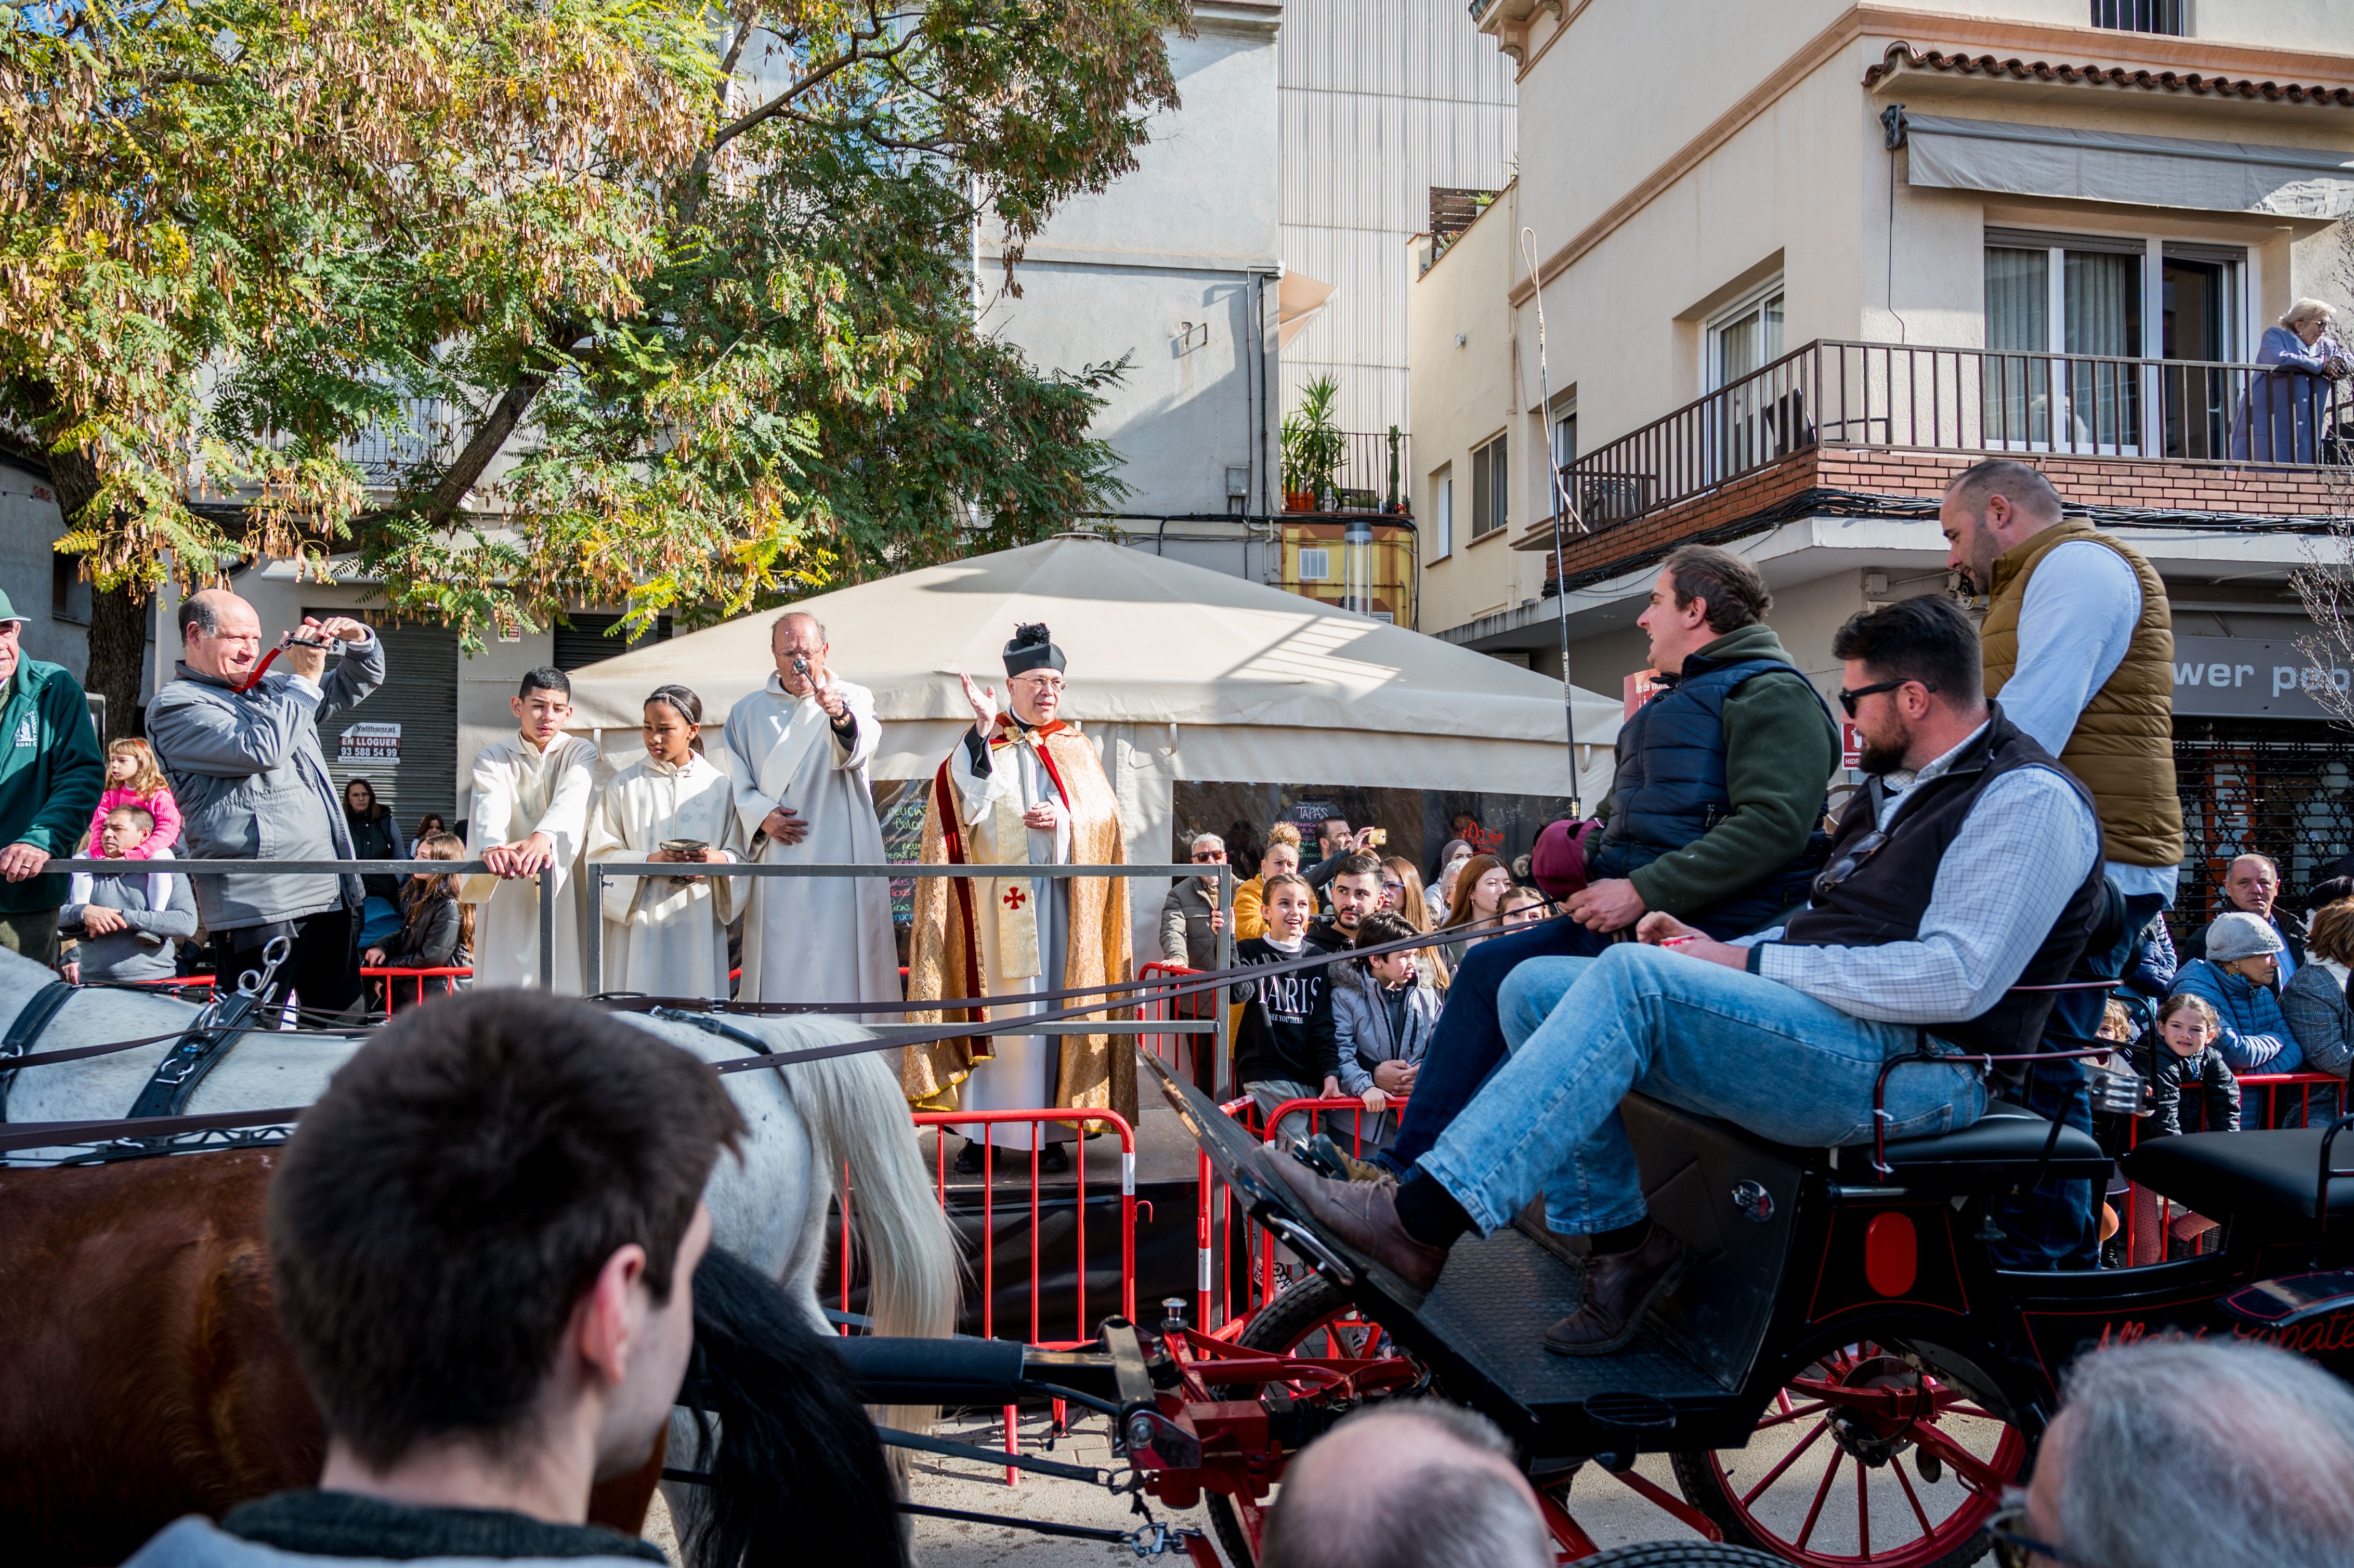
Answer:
(191, 1058)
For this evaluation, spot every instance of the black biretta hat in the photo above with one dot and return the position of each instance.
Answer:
(1032, 649)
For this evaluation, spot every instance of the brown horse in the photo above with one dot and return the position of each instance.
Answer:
(141, 1375)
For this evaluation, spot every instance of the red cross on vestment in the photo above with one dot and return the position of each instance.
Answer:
(1015, 898)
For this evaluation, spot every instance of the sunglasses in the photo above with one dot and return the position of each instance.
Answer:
(1839, 870)
(2013, 1549)
(1204, 857)
(1848, 699)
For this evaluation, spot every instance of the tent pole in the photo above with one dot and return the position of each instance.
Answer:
(1560, 510)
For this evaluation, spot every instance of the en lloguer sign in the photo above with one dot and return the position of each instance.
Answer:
(2242, 677)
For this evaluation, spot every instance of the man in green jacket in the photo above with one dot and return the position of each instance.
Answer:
(50, 778)
(1715, 816)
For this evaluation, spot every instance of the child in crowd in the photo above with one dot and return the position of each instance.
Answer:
(1524, 907)
(2185, 1055)
(134, 778)
(1384, 1010)
(1284, 1049)
(126, 923)
(436, 932)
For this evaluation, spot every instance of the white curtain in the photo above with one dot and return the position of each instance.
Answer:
(2018, 402)
(2103, 316)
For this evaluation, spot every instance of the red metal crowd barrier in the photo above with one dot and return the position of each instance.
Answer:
(1083, 1324)
(389, 973)
(1213, 1284)
(1182, 1052)
(2150, 1221)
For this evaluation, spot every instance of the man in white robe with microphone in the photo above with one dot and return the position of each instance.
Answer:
(797, 751)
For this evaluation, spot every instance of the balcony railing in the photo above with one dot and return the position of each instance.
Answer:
(388, 455)
(1895, 396)
(1374, 473)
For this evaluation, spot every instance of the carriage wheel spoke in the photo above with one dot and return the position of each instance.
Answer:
(1910, 1496)
(1782, 1399)
(1863, 1509)
(1790, 1413)
(1807, 1530)
(1786, 1461)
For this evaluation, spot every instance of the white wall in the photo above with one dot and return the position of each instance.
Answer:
(30, 524)
(1173, 267)
(1381, 101)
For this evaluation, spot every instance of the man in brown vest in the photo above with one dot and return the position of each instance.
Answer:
(2079, 647)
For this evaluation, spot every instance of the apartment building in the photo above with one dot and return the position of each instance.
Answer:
(1799, 264)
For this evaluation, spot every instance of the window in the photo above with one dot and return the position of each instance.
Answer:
(1565, 452)
(1746, 338)
(1316, 565)
(1490, 488)
(2142, 15)
(2095, 298)
(1748, 427)
(1442, 511)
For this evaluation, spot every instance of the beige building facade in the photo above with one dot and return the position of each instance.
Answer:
(1800, 263)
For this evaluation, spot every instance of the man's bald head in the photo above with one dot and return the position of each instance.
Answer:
(1406, 1485)
(797, 634)
(220, 633)
(1991, 508)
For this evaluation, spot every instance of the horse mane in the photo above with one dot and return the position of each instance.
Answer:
(797, 1474)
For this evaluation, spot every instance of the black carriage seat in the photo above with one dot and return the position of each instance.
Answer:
(2265, 1172)
(1999, 1148)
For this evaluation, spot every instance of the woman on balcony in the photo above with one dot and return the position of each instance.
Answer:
(2289, 405)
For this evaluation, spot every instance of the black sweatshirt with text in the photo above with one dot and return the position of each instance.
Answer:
(1287, 1028)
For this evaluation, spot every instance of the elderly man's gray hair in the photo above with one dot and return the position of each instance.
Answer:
(1420, 1484)
(2223, 1455)
(1212, 840)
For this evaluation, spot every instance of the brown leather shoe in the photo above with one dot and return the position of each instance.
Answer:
(1364, 1215)
(1619, 1288)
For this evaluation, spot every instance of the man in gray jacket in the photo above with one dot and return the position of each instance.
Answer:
(244, 760)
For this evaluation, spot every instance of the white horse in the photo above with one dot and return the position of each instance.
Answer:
(808, 1124)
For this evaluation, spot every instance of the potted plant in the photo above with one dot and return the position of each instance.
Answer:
(1313, 443)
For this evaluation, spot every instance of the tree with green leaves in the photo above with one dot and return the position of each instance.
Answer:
(715, 267)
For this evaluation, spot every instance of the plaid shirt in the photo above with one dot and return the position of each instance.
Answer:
(2020, 855)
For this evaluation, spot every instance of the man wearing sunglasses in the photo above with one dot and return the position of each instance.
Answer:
(2079, 649)
(1970, 865)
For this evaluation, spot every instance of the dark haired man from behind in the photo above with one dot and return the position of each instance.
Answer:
(531, 797)
(1715, 816)
(247, 769)
(483, 1241)
(1969, 864)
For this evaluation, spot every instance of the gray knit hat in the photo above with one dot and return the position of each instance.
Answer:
(2240, 935)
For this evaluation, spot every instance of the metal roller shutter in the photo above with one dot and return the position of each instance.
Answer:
(414, 768)
(580, 639)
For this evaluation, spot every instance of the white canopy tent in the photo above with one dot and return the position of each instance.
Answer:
(1178, 673)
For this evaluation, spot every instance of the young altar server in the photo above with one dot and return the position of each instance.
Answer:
(798, 750)
(1022, 787)
(531, 797)
(667, 936)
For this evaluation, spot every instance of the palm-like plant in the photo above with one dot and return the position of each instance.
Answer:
(1313, 442)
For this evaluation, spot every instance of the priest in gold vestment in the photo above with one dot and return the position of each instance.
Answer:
(1022, 787)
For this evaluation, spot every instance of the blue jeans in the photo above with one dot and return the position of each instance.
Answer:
(1585, 1032)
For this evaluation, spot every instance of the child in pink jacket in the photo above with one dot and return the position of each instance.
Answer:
(132, 779)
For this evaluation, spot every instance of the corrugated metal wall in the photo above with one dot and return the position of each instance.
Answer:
(1381, 100)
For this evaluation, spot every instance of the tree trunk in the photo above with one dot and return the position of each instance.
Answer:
(118, 616)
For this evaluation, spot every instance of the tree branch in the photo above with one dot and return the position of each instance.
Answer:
(450, 492)
(856, 54)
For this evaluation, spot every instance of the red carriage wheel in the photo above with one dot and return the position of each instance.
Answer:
(1866, 1458)
(1311, 1320)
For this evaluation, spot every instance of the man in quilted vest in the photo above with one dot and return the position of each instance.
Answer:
(1715, 816)
(2079, 647)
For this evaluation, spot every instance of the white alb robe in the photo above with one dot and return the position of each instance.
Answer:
(519, 790)
(809, 939)
(1020, 1073)
(662, 937)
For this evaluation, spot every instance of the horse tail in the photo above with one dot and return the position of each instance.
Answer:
(796, 1473)
(858, 1118)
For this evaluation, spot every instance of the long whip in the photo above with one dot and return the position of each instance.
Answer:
(1561, 512)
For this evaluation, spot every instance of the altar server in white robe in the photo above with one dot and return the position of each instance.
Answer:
(798, 750)
(531, 798)
(667, 936)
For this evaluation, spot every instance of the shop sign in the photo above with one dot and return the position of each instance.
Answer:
(2243, 677)
(369, 743)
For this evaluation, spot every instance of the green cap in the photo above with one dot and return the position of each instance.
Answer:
(7, 610)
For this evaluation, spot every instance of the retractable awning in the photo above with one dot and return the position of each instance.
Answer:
(2143, 171)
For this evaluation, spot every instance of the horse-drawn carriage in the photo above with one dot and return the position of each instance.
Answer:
(1844, 1377)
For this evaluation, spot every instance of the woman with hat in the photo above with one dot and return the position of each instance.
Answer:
(2236, 978)
(1022, 787)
